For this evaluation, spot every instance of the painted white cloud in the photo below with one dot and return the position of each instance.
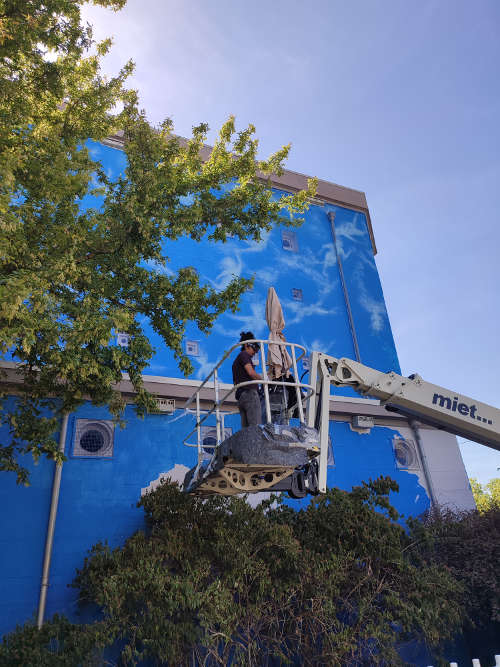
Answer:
(344, 254)
(95, 151)
(230, 267)
(267, 276)
(301, 311)
(376, 309)
(254, 321)
(314, 265)
(205, 365)
(254, 499)
(175, 474)
(156, 267)
(352, 230)
(318, 345)
(330, 258)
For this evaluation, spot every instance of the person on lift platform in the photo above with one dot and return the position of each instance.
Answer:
(243, 371)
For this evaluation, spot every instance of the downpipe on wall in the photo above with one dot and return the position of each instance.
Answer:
(331, 217)
(49, 539)
(425, 464)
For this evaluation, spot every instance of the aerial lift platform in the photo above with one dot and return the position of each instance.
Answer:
(280, 457)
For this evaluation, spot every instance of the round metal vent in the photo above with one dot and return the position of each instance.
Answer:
(209, 443)
(209, 437)
(405, 453)
(93, 438)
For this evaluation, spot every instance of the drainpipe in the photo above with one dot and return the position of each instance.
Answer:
(49, 540)
(425, 464)
(331, 217)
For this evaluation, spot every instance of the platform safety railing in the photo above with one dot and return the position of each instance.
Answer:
(193, 403)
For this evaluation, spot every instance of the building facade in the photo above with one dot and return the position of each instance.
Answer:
(325, 275)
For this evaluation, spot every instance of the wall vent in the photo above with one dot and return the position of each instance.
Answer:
(405, 453)
(93, 438)
(122, 339)
(192, 348)
(209, 437)
(289, 241)
(362, 421)
(163, 406)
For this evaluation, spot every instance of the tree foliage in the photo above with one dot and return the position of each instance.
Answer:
(72, 275)
(467, 544)
(216, 582)
(487, 496)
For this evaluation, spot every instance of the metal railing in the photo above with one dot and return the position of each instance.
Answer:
(218, 401)
(477, 663)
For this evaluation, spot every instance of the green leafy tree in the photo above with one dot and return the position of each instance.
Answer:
(487, 496)
(215, 582)
(71, 277)
(467, 544)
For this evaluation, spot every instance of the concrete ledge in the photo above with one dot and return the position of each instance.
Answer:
(342, 408)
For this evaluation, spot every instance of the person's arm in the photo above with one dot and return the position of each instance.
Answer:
(251, 372)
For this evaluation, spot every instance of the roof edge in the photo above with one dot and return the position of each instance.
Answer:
(293, 181)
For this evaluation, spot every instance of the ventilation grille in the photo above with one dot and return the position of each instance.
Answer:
(163, 406)
(209, 437)
(405, 454)
(93, 438)
(122, 339)
(192, 348)
(289, 241)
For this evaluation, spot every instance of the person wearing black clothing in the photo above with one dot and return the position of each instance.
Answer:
(243, 371)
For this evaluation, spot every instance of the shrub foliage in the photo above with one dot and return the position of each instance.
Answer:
(216, 581)
(468, 545)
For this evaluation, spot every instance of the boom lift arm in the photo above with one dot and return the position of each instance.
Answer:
(295, 458)
(410, 396)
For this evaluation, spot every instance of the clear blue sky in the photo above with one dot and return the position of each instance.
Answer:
(395, 98)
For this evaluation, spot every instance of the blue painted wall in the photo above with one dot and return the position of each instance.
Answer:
(359, 457)
(98, 501)
(319, 321)
(98, 496)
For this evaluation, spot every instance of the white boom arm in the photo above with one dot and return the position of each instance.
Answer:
(426, 402)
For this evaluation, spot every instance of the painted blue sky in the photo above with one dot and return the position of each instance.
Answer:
(397, 99)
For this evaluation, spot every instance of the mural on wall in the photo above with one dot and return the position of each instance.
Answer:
(301, 264)
(99, 493)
